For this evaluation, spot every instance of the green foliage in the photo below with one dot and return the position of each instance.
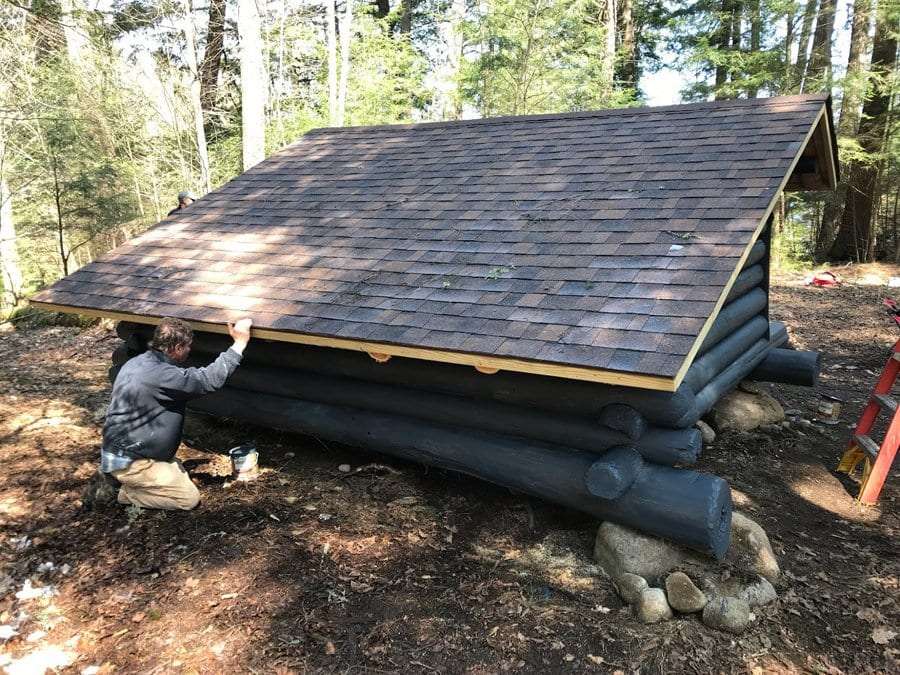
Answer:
(539, 56)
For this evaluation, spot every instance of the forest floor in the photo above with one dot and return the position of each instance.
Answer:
(415, 570)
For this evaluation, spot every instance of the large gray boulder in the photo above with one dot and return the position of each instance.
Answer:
(683, 595)
(744, 411)
(620, 550)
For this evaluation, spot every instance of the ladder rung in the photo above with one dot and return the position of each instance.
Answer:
(886, 401)
(867, 445)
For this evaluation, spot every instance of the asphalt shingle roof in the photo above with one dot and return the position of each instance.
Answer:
(599, 240)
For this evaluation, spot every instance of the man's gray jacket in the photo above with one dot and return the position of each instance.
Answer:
(146, 412)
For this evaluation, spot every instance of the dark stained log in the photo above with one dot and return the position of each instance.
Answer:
(724, 382)
(717, 359)
(550, 394)
(788, 366)
(672, 447)
(778, 335)
(689, 508)
(746, 281)
(734, 315)
(623, 418)
(611, 475)
(757, 253)
(663, 447)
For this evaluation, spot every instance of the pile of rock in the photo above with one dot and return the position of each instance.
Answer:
(659, 579)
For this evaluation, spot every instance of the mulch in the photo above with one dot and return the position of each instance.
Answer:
(396, 567)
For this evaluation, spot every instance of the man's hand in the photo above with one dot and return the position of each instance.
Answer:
(240, 333)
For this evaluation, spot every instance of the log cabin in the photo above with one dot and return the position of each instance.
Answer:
(546, 302)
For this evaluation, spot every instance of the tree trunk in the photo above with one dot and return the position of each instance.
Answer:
(856, 237)
(818, 72)
(346, 28)
(382, 8)
(76, 38)
(406, 12)
(609, 55)
(848, 124)
(212, 57)
(448, 102)
(331, 40)
(190, 51)
(627, 74)
(9, 252)
(803, 45)
(755, 16)
(253, 85)
(854, 82)
(721, 39)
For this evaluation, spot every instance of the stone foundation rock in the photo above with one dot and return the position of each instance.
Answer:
(724, 591)
(651, 606)
(728, 614)
(683, 595)
(744, 411)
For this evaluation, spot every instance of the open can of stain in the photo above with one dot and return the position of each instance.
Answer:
(829, 409)
(244, 462)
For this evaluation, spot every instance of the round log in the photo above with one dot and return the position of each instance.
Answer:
(734, 315)
(687, 507)
(623, 418)
(724, 382)
(717, 359)
(746, 281)
(788, 366)
(778, 335)
(663, 446)
(757, 253)
(551, 394)
(610, 476)
(672, 447)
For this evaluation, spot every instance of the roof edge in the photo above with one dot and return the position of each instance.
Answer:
(579, 114)
(691, 355)
(378, 351)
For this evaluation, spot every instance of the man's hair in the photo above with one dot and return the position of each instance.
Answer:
(171, 334)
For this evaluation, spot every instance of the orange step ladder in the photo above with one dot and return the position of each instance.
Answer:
(877, 458)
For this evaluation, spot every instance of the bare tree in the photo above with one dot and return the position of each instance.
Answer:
(809, 14)
(346, 28)
(627, 75)
(253, 85)
(818, 71)
(212, 56)
(190, 37)
(331, 39)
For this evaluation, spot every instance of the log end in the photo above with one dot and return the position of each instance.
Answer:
(610, 476)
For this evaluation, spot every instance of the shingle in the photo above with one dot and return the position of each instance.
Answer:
(595, 239)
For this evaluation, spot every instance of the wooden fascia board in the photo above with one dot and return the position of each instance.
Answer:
(481, 362)
(689, 359)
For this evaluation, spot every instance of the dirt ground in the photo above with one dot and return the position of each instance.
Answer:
(395, 567)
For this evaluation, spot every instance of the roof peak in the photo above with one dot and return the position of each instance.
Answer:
(580, 114)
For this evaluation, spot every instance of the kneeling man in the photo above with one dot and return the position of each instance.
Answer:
(145, 419)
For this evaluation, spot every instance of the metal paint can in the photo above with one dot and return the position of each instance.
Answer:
(244, 462)
(829, 409)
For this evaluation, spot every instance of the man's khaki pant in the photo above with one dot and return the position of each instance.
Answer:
(157, 485)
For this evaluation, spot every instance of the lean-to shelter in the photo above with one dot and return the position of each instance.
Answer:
(595, 246)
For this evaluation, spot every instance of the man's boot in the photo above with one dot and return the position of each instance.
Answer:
(101, 490)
